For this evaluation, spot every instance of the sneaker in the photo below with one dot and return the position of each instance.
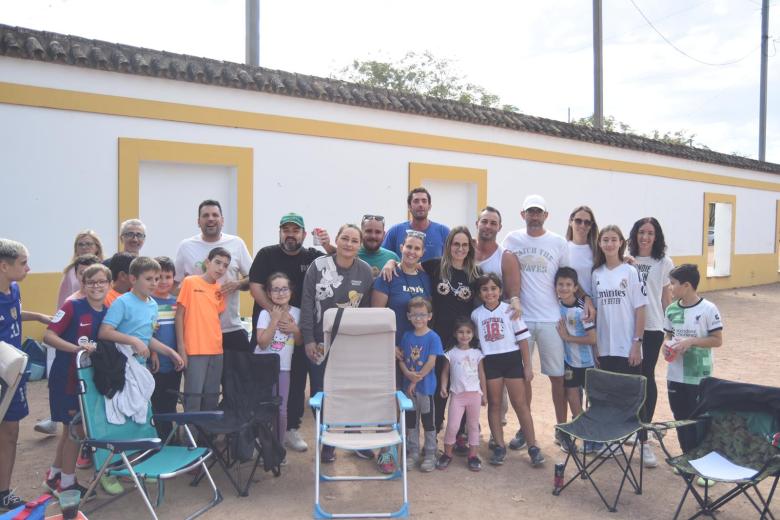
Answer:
(52, 483)
(46, 427)
(10, 501)
(648, 456)
(444, 461)
(428, 463)
(560, 438)
(412, 459)
(461, 444)
(607, 452)
(475, 464)
(328, 454)
(499, 454)
(365, 454)
(591, 447)
(701, 482)
(84, 460)
(386, 463)
(111, 485)
(564, 444)
(631, 440)
(518, 443)
(537, 459)
(293, 440)
(283, 463)
(492, 443)
(77, 487)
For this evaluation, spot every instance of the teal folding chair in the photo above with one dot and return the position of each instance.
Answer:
(359, 408)
(133, 450)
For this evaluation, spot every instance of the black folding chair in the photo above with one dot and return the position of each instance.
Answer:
(251, 419)
(741, 422)
(612, 416)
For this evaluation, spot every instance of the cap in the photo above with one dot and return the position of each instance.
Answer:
(534, 201)
(292, 218)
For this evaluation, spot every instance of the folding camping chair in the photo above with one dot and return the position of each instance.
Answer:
(611, 418)
(741, 423)
(13, 362)
(133, 450)
(359, 407)
(251, 418)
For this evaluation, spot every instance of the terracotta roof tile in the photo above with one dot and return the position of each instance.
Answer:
(72, 50)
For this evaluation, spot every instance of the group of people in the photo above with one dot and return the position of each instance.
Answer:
(470, 313)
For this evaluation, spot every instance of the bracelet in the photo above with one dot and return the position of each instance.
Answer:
(513, 298)
(637, 339)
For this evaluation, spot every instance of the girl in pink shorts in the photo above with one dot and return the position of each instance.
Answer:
(464, 375)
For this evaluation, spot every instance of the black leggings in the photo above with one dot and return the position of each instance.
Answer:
(651, 347)
(619, 365)
(299, 369)
(683, 398)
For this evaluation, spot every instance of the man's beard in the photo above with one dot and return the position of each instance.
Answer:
(290, 245)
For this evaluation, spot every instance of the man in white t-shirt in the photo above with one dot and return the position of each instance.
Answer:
(189, 260)
(541, 253)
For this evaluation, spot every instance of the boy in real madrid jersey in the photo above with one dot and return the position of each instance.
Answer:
(693, 328)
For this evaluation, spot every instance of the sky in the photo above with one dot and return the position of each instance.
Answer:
(535, 55)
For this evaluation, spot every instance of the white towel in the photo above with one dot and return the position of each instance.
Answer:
(133, 400)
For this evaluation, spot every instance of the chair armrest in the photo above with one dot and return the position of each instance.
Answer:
(404, 403)
(189, 417)
(118, 445)
(316, 401)
(668, 425)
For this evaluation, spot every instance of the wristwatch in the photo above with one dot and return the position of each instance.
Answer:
(638, 339)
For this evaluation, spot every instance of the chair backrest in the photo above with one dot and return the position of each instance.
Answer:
(360, 374)
(93, 412)
(615, 398)
(250, 379)
(12, 365)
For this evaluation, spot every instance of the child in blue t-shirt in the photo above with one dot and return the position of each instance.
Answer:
(13, 269)
(579, 339)
(419, 349)
(166, 377)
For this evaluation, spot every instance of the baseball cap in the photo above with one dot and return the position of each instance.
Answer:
(534, 201)
(292, 218)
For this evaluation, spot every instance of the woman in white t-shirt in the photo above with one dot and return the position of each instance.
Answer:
(278, 333)
(581, 237)
(647, 245)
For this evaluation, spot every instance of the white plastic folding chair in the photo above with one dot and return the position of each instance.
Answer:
(13, 362)
(359, 407)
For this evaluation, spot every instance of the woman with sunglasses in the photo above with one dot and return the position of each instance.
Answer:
(581, 235)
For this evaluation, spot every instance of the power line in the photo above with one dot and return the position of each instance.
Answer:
(675, 47)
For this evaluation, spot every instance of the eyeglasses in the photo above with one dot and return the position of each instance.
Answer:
(378, 218)
(418, 316)
(415, 234)
(137, 236)
(583, 222)
(280, 290)
(464, 245)
(85, 244)
(96, 283)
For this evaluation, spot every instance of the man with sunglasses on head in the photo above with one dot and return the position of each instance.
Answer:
(290, 257)
(419, 204)
(372, 252)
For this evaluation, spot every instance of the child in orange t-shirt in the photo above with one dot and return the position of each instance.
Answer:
(198, 332)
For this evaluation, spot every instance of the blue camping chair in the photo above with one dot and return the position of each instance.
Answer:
(359, 408)
(133, 450)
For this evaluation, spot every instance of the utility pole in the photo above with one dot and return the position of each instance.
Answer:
(253, 32)
(762, 95)
(598, 75)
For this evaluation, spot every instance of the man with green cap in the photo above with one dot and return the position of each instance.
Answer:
(291, 258)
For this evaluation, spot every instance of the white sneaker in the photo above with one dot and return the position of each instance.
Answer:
(293, 440)
(631, 440)
(649, 456)
(46, 427)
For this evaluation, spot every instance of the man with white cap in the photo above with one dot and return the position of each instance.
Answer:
(541, 253)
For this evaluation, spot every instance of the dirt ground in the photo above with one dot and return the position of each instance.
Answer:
(512, 490)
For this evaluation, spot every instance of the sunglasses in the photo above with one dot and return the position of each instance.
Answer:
(378, 218)
(583, 222)
(415, 234)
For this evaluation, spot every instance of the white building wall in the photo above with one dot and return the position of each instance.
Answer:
(59, 169)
